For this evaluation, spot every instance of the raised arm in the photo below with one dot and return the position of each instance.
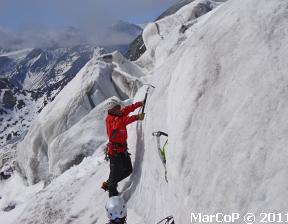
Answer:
(131, 108)
(130, 119)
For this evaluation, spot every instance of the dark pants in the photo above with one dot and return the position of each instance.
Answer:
(120, 168)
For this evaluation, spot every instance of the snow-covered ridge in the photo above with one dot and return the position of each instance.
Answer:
(162, 37)
(19, 54)
(42, 68)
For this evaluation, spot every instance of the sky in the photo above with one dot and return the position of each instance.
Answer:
(34, 20)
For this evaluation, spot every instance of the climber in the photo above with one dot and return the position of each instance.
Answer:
(116, 210)
(120, 162)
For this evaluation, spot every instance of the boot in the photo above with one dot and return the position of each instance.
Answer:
(105, 186)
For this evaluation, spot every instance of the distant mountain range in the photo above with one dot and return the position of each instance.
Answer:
(31, 78)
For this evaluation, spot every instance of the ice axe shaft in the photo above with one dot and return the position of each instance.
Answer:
(144, 101)
(146, 95)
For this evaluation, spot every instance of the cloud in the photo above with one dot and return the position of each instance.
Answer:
(44, 38)
(45, 23)
(37, 38)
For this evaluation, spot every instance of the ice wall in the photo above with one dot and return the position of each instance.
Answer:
(221, 95)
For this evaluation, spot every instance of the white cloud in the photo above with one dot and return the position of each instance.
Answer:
(42, 19)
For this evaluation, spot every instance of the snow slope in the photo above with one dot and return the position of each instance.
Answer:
(221, 89)
(74, 197)
(14, 193)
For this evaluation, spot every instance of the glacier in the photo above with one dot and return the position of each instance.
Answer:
(221, 89)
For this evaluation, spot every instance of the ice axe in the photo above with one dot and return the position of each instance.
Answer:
(146, 95)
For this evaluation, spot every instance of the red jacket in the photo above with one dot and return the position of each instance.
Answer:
(116, 128)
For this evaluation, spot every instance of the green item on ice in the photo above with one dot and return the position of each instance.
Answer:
(162, 150)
